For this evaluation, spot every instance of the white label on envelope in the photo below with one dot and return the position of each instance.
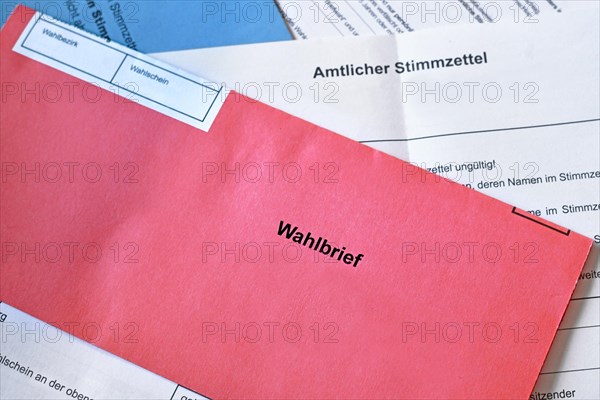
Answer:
(122, 71)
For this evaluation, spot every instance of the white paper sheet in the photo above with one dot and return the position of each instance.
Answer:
(309, 19)
(42, 361)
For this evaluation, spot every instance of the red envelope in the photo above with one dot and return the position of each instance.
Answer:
(208, 257)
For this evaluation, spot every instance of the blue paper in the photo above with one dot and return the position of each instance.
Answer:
(153, 26)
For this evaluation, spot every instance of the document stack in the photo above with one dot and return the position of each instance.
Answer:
(290, 199)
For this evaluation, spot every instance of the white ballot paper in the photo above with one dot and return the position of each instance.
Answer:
(510, 110)
(309, 19)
